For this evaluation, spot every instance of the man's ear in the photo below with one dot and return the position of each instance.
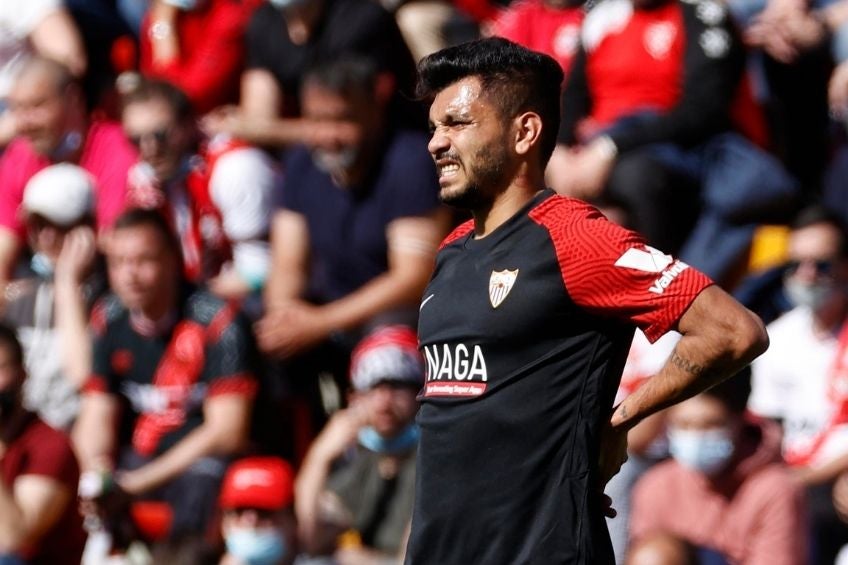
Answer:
(528, 132)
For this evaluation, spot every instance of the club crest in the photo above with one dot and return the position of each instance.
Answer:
(500, 283)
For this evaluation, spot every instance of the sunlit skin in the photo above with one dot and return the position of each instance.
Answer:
(143, 271)
(46, 237)
(41, 109)
(390, 408)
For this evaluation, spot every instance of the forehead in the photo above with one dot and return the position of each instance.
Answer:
(461, 98)
(699, 410)
(33, 82)
(135, 239)
(142, 112)
(320, 100)
(814, 241)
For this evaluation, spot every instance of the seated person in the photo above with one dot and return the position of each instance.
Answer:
(725, 490)
(217, 196)
(170, 396)
(258, 523)
(362, 507)
(50, 308)
(39, 521)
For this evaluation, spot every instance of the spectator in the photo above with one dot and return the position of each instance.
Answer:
(549, 26)
(654, 132)
(368, 500)
(39, 522)
(357, 228)
(662, 549)
(53, 126)
(798, 381)
(43, 27)
(725, 490)
(50, 308)
(217, 197)
(170, 395)
(258, 523)
(287, 37)
(197, 46)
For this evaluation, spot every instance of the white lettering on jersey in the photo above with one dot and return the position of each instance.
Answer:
(457, 364)
(668, 277)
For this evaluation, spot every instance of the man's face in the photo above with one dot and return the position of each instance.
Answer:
(816, 272)
(470, 145)
(46, 237)
(162, 142)
(700, 413)
(391, 407)
(342, 126)
(142, 269)
(41, 112)
(11, 381)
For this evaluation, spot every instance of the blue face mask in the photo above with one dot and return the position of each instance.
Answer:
(265, 546)
(67, 146)
(403, 442)
(41, 266)
(704, 451)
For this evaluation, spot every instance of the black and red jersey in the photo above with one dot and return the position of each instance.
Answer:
(525, 333)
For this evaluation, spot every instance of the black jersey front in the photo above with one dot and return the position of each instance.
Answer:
(525, 333)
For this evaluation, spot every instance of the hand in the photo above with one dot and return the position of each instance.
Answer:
(228, 284)
(581, 173)
(292, 328)
(77, 255)
(837, 91)
(222, 120)
(613, 452)
(341, 431)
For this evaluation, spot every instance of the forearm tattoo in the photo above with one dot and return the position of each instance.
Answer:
(686, 365)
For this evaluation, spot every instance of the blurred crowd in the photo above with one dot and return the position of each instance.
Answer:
(217, 218)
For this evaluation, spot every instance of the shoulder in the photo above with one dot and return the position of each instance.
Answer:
(562, 215)
(459, 232)
(106, 312)
(204, 307)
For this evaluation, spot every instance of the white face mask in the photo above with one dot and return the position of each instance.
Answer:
(811, 296)
(705, 451)
(333, 162)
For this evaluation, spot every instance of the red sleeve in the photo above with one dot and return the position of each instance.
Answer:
(51, 456)
(612, 272)
(460, 231)
(17, 166)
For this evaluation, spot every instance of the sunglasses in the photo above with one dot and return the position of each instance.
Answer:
(160, 136)
(822, 266)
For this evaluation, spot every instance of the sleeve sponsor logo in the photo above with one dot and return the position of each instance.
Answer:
(455, 370)
(650, 260)
(668, 277)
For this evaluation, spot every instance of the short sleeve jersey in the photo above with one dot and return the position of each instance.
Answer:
(347, 226)
(525, 333)
(45, 452)
(162, 382)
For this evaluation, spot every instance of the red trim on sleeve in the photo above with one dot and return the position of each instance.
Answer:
(612, 272)
(460, 231)
(95, 384)
(241, 383)
(220, 322)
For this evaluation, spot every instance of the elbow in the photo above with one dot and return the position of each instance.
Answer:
(12, 535)
(231, 441)
(751, 338)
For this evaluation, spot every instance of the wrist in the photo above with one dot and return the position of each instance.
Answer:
(161, 30)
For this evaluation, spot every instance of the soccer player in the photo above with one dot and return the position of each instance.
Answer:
(526, 324)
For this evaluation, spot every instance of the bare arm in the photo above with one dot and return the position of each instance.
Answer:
(10, 246)
(93, 434)
(226, 422)
(261, 96)
(57, 37)
(29, 510)
(289, 256)
(720, 336)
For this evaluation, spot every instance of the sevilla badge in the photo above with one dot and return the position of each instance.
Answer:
(500, 283)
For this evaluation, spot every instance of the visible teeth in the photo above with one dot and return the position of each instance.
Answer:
(450, 168)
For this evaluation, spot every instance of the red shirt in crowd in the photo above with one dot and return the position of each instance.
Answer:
(44, 451)
(106, 154)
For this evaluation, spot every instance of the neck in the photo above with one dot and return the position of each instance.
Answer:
(827, 319)
(506, 204)
(154, 317)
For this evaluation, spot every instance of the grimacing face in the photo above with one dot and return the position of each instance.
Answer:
(469, 145)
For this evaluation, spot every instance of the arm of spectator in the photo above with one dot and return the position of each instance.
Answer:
(74, 263)
(289, 259)
(29, 509)
(337, 437)
(720, 336)
(226, 422)
(10, 246)
(93, 434)
(57, 37)
(412, 242)
(261, 96)
(713, 65)
(837, 91)
(164, 41)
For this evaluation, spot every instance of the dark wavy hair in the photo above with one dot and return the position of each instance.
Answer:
(513, 78)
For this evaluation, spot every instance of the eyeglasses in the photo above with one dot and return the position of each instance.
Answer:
(822, 266)
(160, 136)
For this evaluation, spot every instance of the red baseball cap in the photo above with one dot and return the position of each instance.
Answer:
(266, 483)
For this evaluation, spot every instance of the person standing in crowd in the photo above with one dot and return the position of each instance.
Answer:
(800, 380)
(726, 489)
(258, 524)
(358, 224)
(39, 522)
(53, 127)
(216, 196)
(50, 309)
(170, 396)
(526, 325)
(358, 506)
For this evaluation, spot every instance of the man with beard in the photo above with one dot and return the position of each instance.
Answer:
(357, 228)
(526, 324)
